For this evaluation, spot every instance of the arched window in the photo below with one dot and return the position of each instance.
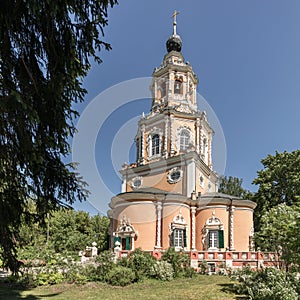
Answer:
(213, 233)
(155, 144)
(177, 87)
(184, 139)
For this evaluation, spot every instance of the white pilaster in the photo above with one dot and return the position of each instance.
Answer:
(172, 135)
(158, 239)
(198, 135)
(193, 212)
(124, 183)
(231, 228)
(191, 177)
(142, 144)
(165, 153)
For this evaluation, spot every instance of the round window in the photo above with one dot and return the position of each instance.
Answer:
(201, 180)
(174, 175)
(136, 182)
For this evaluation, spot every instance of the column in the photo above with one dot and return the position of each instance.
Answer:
(172, 135)
(142, 159)
(231, 228)
(132, 243)
(209, 161)
(165, 152)
(187, 90)
(158, 229)
(170, 88)
(198, 135)
(193, 212)
(124, 183)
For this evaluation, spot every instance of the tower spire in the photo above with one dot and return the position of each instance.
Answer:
(174, 22)
(174, 42)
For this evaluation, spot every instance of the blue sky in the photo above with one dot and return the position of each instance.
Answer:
(246, 55)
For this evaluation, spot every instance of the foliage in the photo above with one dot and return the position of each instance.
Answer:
(179, 261)
(141, 263)
(45, 51)
(162, 270)
(69, 232)
(268, 283)
(204, 267)
(48, 278)
(105, 263)
(76, 275)
(74, 230)
(120, 276)
(233, 186)
(90, 272)
(278, 182)
(279, 233)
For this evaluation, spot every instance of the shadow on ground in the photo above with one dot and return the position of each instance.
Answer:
(229, 288)
(12, 292)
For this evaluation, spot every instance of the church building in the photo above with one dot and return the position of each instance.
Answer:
(169, 195)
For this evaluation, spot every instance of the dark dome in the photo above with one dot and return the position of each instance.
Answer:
(174, 43)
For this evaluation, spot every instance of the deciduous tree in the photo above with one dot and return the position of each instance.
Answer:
(233, 186)
(279, 182)
(279, 233)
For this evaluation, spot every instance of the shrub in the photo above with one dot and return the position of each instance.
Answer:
(90, 272)
(120, 276)
(162, 270)
(178, 260)
(203, 267)
(48, 278)
(76, 274)
(105, 263)
(141, 263)
(189, 272)
(17, 280)
(76, 277)
(266, 284)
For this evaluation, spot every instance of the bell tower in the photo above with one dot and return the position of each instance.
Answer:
(174, 140)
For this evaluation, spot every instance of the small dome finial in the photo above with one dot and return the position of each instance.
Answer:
(174, 43)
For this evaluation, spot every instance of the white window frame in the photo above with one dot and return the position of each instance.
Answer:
(155, 144)
(188, 146)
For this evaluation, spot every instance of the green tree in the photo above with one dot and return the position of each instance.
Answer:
(74, 230)
(233, 186)
(279, 182)
(100, 225)
(279, 233)
(45, 51)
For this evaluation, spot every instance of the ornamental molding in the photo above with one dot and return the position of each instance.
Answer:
(125, 228)
(191, 141)
(178, 223)
(184, 108)
(213, 221)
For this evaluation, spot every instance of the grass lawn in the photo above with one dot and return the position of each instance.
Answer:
(200, 287)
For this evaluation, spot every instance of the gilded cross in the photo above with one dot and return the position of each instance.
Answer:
(174, 22)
